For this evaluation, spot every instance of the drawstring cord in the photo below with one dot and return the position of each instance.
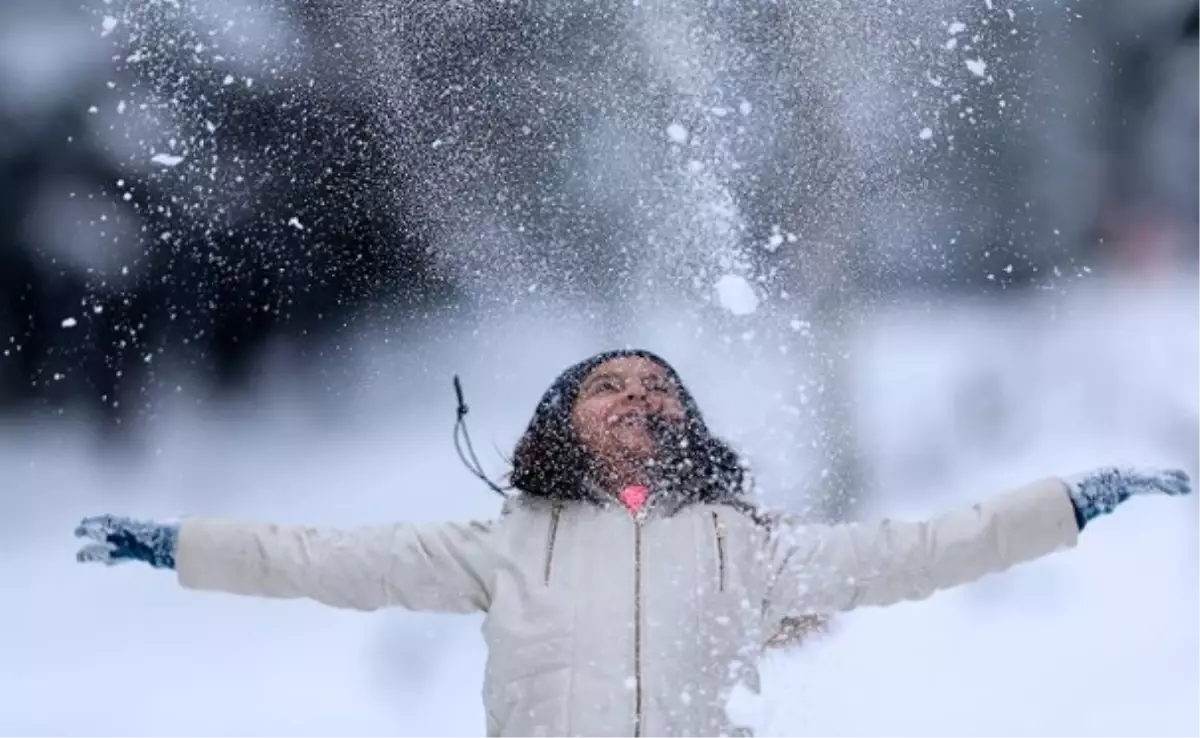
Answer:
(462, 440)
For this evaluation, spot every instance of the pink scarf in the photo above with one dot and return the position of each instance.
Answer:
(634, 497)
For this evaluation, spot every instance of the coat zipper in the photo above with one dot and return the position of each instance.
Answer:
(550, 539)
(719, 530)
(637, 628)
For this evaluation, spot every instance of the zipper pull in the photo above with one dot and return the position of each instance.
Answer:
(719, 532)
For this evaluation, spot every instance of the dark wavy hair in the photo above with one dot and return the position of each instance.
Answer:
(696, 467)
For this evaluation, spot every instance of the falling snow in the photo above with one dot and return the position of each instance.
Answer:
(736, 295)
(275, 177)
(166, 160)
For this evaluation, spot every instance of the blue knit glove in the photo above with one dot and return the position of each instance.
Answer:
(1098, 492)
(118, 540)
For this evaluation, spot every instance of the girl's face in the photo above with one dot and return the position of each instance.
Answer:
(614, 407)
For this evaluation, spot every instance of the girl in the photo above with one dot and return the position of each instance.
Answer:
(629, 585)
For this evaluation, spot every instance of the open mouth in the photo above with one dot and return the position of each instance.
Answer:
(631, 419)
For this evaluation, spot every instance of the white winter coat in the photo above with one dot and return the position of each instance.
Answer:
(598, 623)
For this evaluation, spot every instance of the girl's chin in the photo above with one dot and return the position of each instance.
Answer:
(642, 453)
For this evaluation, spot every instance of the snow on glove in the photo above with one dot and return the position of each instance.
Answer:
(1098, 492)
(118, 540)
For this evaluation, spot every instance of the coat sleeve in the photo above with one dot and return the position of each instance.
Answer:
(821, 569)
(443, 567)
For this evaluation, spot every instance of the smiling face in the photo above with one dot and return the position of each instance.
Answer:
(613, 411)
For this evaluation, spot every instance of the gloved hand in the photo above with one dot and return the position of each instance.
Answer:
(1098, 492)
(119, 540)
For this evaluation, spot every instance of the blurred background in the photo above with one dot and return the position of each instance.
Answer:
(907, 255)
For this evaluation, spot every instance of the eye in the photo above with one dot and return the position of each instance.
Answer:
(659, 386)
(605, 384)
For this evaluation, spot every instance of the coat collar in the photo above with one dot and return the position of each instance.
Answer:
(664, 501)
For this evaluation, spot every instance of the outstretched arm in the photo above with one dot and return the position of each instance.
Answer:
(444, 567)
(842, 567)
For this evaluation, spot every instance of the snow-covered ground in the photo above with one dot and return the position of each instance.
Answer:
(957, 403)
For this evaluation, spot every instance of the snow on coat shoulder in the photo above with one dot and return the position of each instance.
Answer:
(599, 623)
